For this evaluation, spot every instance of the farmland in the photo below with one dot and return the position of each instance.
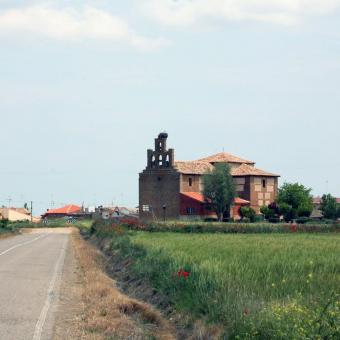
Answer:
(250, 286)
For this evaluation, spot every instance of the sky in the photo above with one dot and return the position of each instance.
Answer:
(86, 86)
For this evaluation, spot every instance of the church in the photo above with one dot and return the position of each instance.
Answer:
(170, 189)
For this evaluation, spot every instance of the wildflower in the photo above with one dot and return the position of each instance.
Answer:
(310, 275)
(273, 285)
(182, 273)
(283, 281)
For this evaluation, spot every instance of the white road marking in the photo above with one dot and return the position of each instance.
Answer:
(21, 244)
(50, 294)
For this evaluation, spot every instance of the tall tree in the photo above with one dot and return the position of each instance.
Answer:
(298, 197)
(329, 206)
(219, 189)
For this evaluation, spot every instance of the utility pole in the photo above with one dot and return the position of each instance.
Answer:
(31, 211)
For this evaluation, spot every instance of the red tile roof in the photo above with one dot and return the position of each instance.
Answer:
(224, 157)
(193, 167)
(197, 196)
(318, 199)
(247, 170)
(241, 201)
(68, 209)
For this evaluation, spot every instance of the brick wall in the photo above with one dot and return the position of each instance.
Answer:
(194, 180)
(158, 187)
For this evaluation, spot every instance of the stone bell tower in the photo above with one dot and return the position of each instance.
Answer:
(159, 183)
(160, 157)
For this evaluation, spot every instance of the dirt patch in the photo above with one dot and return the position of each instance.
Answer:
(92, 307)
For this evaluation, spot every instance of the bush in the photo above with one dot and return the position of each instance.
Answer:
(247, 213)
(3, 223)
(302, 220)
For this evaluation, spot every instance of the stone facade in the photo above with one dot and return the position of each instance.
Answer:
(172, 190)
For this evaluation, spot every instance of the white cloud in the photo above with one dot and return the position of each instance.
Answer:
(72, 24)
(190, 12)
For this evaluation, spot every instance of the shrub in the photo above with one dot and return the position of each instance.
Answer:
(3, 223)
(247, 213)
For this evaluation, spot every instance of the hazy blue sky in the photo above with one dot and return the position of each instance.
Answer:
(85, 86)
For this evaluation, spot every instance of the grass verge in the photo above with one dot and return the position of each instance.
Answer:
(7, 232)
(107, 313)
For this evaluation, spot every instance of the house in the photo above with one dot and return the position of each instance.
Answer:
(107, 213)
(15, 214)
(170, 189)
(70, 210)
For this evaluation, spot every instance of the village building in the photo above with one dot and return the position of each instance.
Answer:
(17, 215)
(170, 189)
(70, 210)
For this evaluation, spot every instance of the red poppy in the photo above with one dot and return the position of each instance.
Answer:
(183, 273)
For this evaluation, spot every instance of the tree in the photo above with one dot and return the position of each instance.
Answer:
(298, 197)
(329, 207)
(285, 210)
(219, 189)
(248, 212)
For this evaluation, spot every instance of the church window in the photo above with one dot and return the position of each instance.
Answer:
(263, 183)
(190, 182)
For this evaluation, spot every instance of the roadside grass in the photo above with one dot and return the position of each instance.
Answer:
(6, 230)
(107, 313)
(265, 286)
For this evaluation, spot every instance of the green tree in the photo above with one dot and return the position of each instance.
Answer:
(298, 197)
(248, 212)
(219, 189)
(329, 207)
(285, 210)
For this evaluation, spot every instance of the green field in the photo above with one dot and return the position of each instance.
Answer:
(255, 286)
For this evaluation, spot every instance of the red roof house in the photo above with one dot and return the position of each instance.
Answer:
(193, 204)
(68, 210)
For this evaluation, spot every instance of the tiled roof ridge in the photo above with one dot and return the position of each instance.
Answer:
(225, 157)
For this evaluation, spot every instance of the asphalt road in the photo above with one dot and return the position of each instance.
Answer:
(31, 267)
